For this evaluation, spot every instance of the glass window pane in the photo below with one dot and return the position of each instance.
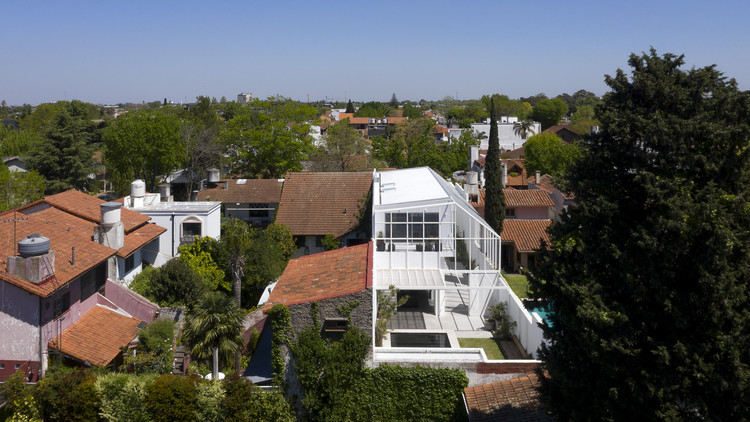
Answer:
(432, 217)
(415, 217)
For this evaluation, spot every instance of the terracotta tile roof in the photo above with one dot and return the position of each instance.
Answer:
(97, 336)
(64, 231)
(547, 184)
(87, 207)
(320, 203)
(324, 275)
(514, 400)
(67, 225)
(526, 234)
(555, 128)
(517, 153)
(343, 116)
(138, 238)
(398, 113)
(396, 120)
(517, 198)
(253, 190)
(359, 120)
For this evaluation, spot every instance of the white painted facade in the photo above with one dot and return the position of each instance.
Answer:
(431, 244)
(509, 140)
(183, 221)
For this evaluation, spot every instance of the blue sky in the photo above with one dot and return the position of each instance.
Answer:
(109, 52)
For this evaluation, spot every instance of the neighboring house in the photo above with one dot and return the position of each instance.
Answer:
(315, 204)
(251, 200)
(183, 221)
(244, 98)
(528, 213)
(333, 280)
(134, 236)
(514, 169)
(432, 246)
(562, 200)
(507, 136)
(15, 163)
(513, 400)
(564, 133)
(57, 294)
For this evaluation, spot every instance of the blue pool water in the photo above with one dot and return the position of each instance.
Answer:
(543, 312)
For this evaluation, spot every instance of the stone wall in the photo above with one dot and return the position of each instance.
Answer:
(361, 316)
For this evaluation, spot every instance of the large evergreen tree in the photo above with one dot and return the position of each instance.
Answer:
(63, 155)
(494, 199)
(648, 277)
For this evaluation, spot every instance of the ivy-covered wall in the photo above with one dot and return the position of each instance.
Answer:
(361, 315)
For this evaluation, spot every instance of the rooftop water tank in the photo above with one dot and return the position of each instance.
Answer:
(214, 175)
(33, 245)
(138, 188)
(164, 191)
(110, 212)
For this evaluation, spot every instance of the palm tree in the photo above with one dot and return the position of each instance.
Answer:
(215, 327)
(523, 128)
(237, 236)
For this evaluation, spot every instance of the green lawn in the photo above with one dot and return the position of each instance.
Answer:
(488, 344)
(518, 284)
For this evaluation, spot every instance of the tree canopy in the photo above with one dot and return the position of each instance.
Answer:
(549, 112)
(342, 151)
(268, 138)
(143, 144)
(548, 153)
(648, 276)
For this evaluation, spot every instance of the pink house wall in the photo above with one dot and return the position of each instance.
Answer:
(130, 301)
(19, 331)
(532, 213)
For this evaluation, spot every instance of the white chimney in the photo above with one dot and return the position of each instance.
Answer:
(505, 174)
(164, 192)
(538, 177)
(111, 231)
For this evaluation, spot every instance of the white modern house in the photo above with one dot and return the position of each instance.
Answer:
(432, 245)
(182, 220)
(509, 139)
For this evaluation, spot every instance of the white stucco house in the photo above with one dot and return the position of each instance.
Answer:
(182, 220)
(432, 245)
(506, 134)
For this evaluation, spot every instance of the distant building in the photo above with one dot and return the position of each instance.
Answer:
(251, 200)
(243, 98)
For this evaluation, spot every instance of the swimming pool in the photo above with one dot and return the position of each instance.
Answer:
(543, 312)
(420, 340)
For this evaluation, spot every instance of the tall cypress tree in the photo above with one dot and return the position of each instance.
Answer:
(648, 277)
(494, 199)
(349, 107)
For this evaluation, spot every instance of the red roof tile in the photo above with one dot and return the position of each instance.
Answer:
(320, 203)
(526, 234)
(87, 207)
(324, 275)
(252, 190)
(518, 198)
(138, 238)
(97, 336)
(514, 400)
(64, 232)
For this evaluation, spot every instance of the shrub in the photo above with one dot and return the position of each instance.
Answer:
(175, 284)
(69, 397)
(123, 397)
(245, 402)
(172, 398)
(14, 390)
(209, 403)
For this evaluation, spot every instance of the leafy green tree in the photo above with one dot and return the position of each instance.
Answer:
(343, 148)
(19, 188)
(268, 254)
(123, 397)
(387, 306)
(173, 284)
(198, 256)
(63, 156)
(154, 352)
(504, 106)
(17, 142)
(214, 327)
(412, 145)
(548, 153)
(373, 109)
(237, 237)
(454, 154)
(269, 138)
(549, 112)
(494, 202)
(412, 112)
(648, 276)
(143, 144)
(69, 396)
